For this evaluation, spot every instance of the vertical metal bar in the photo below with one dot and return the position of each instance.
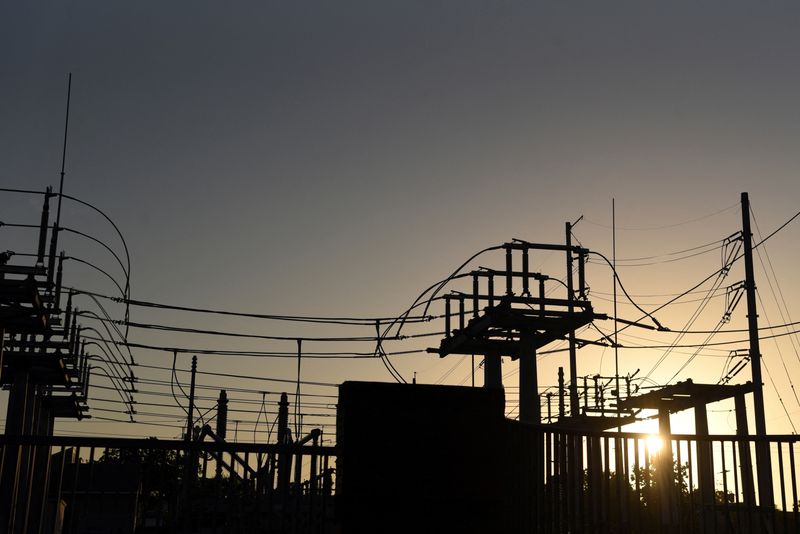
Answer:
(585, 393)
(326, 485)
(783, 484)
(73, 495)
(646, 481)
(475, 288)
(43, 226)
(626, 478)
(724, 481)
(491, 290)
(311, 504)
(637, 472)
(713, 510)
(561, 409)
(794, 487)
(736, 500)
(746, 465)
(618, 486)
(509, 270)
(91, 468)
(525, 273)
(57, 507)
(588, 517)
(461, 311)
(556, 502)
(298, 467)
(541, 296)
(24, 504)
(44, 487)
(691, 479)
(447, 329)
(679, 473)
(548, 459)
(284, 455)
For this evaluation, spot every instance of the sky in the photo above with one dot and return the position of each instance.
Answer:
(335, 159)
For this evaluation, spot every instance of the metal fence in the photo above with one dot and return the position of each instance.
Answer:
(630, 482)
(556, 482)
(90, 485)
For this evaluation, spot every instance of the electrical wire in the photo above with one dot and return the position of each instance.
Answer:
(674, 225)
(258, 354)
(622, 287)
(186, 330)
(780, 399)
(348, 321)
(172, 380)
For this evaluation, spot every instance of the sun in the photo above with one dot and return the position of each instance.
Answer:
(654, 444)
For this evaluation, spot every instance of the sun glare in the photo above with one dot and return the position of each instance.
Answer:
(654, 444)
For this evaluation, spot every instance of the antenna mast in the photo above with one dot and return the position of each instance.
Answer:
(64, 151)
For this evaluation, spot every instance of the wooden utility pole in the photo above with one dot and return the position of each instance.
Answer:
(763, 460)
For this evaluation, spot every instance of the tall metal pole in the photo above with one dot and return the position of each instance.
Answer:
(573, 363)
(222, 426)
(64, 150)
(762, 448)
(56, 226)
(616, 326)
(284, 453)
(190, 413)
(190, 460)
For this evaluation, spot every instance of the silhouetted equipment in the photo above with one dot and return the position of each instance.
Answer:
(517, 325)
(44, 366)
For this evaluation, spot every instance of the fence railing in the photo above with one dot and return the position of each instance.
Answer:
(80, 484)
(631, 482)
(557, 481)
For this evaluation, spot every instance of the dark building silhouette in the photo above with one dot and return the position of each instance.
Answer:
(420, 458)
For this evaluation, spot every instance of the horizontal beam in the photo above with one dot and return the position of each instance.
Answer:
(523, 245)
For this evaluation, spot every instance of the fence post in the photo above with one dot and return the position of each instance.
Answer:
(664, 474)
(745, 461)
(705, 467)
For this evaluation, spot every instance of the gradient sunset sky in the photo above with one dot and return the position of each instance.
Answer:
(336, 158)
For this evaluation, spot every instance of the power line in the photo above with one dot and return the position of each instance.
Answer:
(202, 331)
(349, 321)
(256, 354)
(239, 400)
(248, 377)
(649, 228)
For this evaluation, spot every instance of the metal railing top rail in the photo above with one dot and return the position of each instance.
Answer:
(554, 429)
(154, 443)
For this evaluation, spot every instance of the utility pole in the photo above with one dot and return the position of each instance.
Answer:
(222, 425)
(573, 361)
(190, 413)
(284, 442)
(764, 464)
(190, 462)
